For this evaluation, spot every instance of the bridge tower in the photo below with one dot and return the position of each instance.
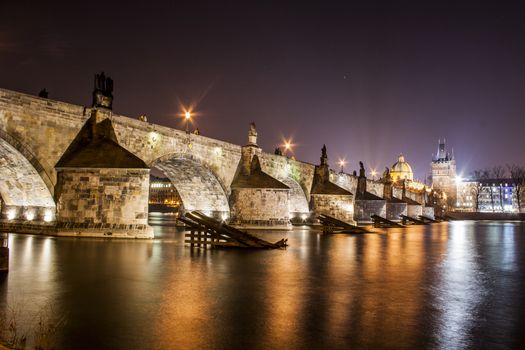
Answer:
(444, 173)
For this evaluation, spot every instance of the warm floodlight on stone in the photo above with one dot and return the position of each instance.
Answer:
(30, 215)
(11, 214)
(48, 215)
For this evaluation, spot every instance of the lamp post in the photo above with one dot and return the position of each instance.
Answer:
(342, 163)
(288, 147)
(187, 117)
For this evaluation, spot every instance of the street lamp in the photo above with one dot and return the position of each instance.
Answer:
(374, 173)
(342, 163)
(187, 117)
(288, 147)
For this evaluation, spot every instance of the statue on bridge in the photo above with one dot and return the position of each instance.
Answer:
(324, 156)
(103, 91)
(43, 93)
(387, 177)
(252, 135)
(361, 170)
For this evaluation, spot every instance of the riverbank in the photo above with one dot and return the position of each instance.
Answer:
(486, 216)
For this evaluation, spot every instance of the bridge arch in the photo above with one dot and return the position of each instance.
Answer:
(298, 201)
(30, 157)
(198, 186)
(24, 192)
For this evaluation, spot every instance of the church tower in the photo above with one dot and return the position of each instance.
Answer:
(444, 173)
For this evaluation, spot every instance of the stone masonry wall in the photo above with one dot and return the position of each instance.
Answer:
(259, 207)
(22, 186)
(46, 128)
(338, 206)
(375, 187)
(414, 211)
(198, 188)
(394, 210)
(106, 196)
(346, 181)
(42, 126)
(428, 212)
(365, 208)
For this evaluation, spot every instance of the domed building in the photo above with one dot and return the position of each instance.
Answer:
(401, 170)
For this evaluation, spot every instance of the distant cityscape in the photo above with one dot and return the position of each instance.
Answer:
(498, 190)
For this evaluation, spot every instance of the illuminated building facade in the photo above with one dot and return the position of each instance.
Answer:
(488, 195)
(162, 191)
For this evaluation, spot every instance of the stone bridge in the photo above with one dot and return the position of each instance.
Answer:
(47, 175)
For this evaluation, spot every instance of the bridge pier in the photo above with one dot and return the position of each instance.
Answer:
(102, 189)
(327, 197)
(257, 199)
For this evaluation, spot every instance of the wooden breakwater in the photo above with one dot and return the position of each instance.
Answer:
(208, 232)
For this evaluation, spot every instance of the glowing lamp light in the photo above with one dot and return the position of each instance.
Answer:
(224, 217)
(304, 216)
(30, 215)
(154, 136)
(48, 215)
(187, 115)
(374, 173)
(288, 146)
(11, 214)
(342, 163)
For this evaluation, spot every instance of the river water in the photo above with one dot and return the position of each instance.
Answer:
(457, 285)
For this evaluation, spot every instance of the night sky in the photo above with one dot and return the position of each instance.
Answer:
(369, 81)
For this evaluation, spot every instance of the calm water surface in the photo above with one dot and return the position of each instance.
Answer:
(458, 285)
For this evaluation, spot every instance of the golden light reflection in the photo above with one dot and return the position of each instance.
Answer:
(286, 299)
(187, 300)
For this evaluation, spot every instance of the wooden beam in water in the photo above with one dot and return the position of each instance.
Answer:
(408, 219)
(427, 219)
(382, 222)
(218, 233)
(333, 225)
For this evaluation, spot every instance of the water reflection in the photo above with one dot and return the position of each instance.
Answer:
(457, 285)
